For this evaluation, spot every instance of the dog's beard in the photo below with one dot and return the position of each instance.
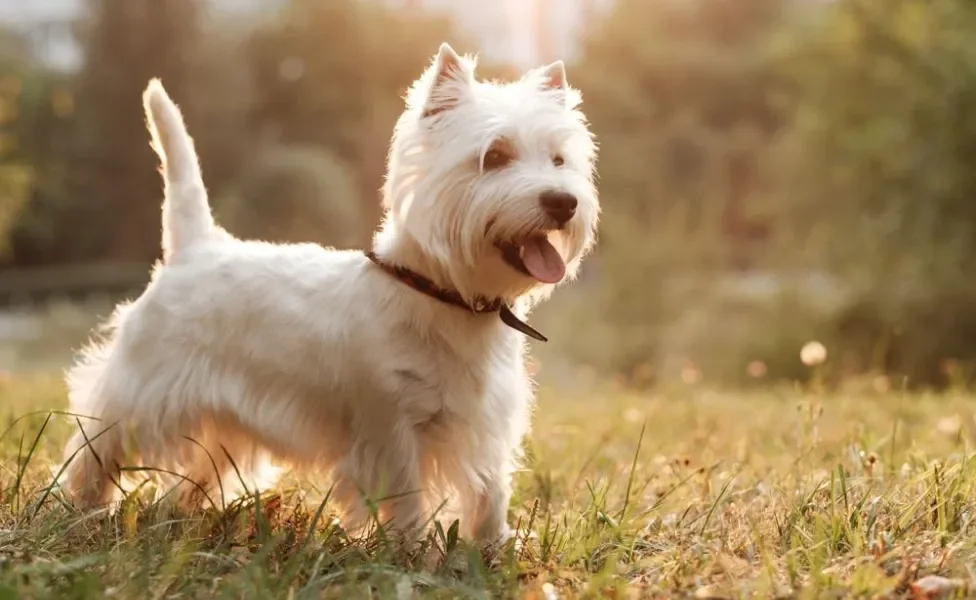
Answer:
(531, 244)
(487, 233)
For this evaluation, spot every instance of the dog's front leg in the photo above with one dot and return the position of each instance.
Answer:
(490, 510)
(387, 469)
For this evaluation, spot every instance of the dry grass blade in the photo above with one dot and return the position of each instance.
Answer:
(703, 502)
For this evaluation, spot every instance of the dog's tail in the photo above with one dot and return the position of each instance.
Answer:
(186, 210)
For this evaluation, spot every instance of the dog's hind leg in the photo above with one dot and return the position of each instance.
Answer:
(221, 464)
(92, 460)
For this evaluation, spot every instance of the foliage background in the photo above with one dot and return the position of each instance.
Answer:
(772, 171)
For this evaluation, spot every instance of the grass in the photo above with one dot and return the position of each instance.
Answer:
(696, 493)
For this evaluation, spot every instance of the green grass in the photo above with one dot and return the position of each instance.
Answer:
(766, 494)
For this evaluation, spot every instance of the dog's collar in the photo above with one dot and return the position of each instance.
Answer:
(480, 305)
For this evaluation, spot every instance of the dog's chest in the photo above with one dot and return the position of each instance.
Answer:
(447, 388)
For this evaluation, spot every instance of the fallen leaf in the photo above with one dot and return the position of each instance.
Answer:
(935, 586)
(549, 591)
(949, 425)
(708, 592)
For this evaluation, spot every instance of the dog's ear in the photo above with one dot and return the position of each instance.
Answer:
(554, 76)
(449, 78)
(448, 66)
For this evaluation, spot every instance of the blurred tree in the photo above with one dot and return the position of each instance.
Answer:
(15, 172)
(849, 124)
(678, 94)
(296, 194)
(334, 73)
(319, 74)
(127, 42)
(97, 190)
(47, 227)
(879, 168)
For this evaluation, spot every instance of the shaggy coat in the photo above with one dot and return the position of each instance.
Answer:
(242, 352)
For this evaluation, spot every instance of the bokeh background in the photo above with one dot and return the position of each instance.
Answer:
(772, 171)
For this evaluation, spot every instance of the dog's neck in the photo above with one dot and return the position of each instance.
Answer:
(399, 248)
(396, 250)
(403, 251)
(481, 306)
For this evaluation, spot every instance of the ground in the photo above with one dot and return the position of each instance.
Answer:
(679, 492)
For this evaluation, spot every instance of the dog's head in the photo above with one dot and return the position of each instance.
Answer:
(493, 182)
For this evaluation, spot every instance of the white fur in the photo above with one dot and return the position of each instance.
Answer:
(317, 357)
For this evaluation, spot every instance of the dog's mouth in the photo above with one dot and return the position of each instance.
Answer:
(534, 256)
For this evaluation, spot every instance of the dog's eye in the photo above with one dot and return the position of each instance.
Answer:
(558, 160)
(495, 159)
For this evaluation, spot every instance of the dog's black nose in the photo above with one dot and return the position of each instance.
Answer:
(558, 205)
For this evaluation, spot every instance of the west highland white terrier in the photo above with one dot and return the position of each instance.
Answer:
(399, 371)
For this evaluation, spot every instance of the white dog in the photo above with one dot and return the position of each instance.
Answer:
(390, 369)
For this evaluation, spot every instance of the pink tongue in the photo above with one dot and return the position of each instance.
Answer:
(542, 260)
